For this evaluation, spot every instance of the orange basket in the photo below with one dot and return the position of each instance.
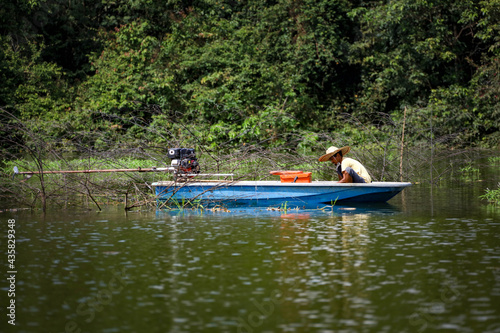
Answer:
(293, 176)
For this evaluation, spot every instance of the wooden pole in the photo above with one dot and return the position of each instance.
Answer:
(402, 148)
(95, 171)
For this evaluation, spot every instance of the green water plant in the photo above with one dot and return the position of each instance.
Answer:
(469, 173)
(494, 160)
(284, 207)
(181, 204)
(333, 203)
(492, 196)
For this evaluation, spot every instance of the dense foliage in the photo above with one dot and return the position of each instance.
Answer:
(225, 73)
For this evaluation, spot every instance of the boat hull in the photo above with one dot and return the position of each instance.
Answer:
(274, 193)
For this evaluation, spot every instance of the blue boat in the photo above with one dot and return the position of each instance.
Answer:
(311, 195)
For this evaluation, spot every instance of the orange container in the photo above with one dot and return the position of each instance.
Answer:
(303, 177)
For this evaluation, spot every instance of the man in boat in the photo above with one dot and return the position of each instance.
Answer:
(348, 169)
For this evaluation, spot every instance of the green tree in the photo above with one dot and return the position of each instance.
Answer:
(408, 48)
(127, 75)
(234, 63)
(31, 87)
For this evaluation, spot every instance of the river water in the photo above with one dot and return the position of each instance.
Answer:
(427, 261)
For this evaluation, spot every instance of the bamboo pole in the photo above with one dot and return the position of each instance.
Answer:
(402, 148)
(92, 171)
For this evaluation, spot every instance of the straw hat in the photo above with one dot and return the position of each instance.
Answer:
(332, 151)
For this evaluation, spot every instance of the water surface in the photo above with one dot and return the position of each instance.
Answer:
(428, 261)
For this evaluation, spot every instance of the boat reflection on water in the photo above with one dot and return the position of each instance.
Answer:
(295, 262)
(383, 208)
(322, 261)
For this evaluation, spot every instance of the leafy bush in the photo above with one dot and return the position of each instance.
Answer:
(492, 196)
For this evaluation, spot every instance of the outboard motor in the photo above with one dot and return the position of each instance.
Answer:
(184, 160)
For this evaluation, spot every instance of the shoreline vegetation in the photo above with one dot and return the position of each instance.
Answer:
(412, 87)
(421, 161)
(133, 190)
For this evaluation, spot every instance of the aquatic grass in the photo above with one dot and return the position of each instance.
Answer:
(492, 196)
(333, 203)
(283, 207)
(494, 160)
(174, 204)
(183, 204)
(469, 173)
